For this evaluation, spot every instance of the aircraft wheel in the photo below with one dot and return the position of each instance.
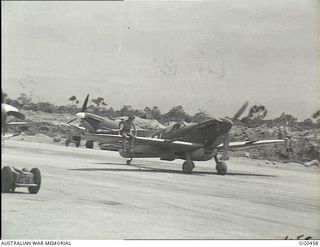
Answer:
(187, 167)
(89, 144)
(129, 162)
(67, 142)
(37, 180)
(6, 179)
(221, 168)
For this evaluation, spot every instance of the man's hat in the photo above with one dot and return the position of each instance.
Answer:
(131, 117)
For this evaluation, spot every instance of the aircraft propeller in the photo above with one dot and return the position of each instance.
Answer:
(226, 138)
(85, 104)
(83, 109)
(226, 141)
(240, 111)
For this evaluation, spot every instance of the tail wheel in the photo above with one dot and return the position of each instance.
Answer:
(7, 179)
(37, 180)
(221, 168)
(187, 167)
(129, 161)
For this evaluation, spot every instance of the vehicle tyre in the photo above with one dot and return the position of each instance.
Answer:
(67, 142)
(89, 144)
(6, 179)
(187, 167)
(37, 180)
(78, 144)
(221, 168)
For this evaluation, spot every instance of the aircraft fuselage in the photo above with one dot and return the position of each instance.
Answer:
(209, 133)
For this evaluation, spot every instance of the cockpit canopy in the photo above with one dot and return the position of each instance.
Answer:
(170, 129)
(175, 126)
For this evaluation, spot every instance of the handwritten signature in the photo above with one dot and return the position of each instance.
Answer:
(299, 237)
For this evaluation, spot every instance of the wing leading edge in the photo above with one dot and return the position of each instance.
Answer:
(233, 146)
(160, 143)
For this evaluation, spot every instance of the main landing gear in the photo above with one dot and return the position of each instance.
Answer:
(220, 166)
(187, 166)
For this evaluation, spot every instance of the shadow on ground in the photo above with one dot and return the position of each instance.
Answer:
(143, 168)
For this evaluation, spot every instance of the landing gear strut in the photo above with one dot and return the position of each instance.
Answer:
(187, 166)
(129, 161)
(220, 166)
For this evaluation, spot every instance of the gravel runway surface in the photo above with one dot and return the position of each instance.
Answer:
(93, 194)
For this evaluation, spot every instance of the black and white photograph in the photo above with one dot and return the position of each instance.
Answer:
(160, 120)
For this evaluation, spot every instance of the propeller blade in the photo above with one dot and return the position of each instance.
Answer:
(226, 142)
(241, 110)
(72, 120)
(85, 103)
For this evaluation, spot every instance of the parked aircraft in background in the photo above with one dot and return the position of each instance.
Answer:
(94, 123)
(194, 142)
(100, 125)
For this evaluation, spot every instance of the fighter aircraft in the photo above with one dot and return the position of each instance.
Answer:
(96, 124)
(194, 142)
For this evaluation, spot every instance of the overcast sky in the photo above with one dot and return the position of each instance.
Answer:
(210, 55)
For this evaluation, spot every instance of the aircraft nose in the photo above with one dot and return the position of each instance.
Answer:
(81, 115)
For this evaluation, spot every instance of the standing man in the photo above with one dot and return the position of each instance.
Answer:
(125, 127)
(285, 133)
(288, 137)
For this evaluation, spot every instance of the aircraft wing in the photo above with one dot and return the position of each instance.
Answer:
(104, 138)
(234, 146)
(153, 142)
(17, 123)
(77, 127)
(8, 136)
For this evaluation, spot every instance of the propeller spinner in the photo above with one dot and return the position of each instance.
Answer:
(83, 109)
